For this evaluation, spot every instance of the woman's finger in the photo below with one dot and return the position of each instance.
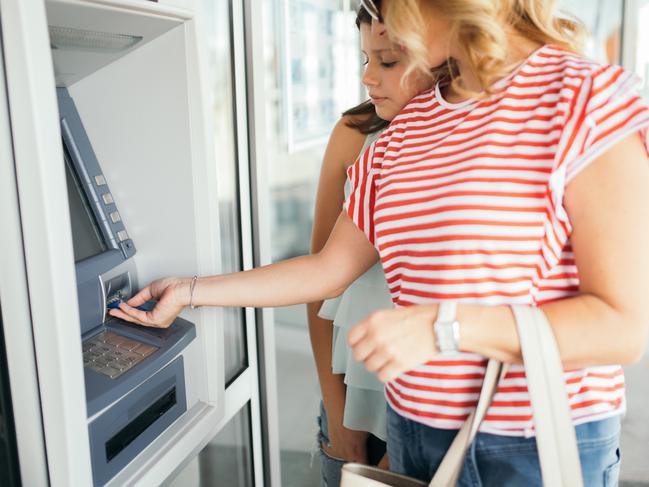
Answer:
(363, 348)
(117, 313)
(376, 361)
(357, 333)
(141, 317)
(390, 371)
(141, 297)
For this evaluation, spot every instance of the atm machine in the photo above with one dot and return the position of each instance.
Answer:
(134, 376)
(115, 186)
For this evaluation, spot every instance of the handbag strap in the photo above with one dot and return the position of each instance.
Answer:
(449, 470)
(555, 434)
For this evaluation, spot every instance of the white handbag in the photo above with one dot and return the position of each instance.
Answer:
(555, 434)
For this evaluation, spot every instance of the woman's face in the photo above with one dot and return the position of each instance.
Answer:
(438, 35)
(385, 64)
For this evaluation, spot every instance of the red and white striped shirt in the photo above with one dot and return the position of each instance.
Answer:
(465, 202)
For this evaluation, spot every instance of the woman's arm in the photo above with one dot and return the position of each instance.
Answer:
(305, 279)
(344, 146)
(607, 323)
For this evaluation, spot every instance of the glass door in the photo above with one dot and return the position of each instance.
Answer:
(216, 18)
(635, 425)
(225, 460)
(306, 65)
(233, 453)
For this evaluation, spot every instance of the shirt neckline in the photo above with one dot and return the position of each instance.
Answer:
(496, 86)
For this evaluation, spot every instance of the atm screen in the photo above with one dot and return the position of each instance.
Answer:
(87, 239)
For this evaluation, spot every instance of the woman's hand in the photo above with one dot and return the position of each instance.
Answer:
(394, 341)
(171, 294)
(346, 444)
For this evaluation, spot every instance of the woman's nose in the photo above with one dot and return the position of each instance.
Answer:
(369, 76)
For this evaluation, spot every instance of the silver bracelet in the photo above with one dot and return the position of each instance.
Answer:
(191, 292)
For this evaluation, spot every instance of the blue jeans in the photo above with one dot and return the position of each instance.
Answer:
(500, 461)
(330, 467)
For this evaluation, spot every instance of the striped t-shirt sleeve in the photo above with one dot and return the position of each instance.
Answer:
(605, 109)
(360, 203)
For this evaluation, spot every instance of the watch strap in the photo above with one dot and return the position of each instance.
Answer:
(446, 312)
(447, 328)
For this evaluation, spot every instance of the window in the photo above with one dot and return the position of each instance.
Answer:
(638, 41)
(218, 28)
(312, 69)
(603, 19)
(226, 460)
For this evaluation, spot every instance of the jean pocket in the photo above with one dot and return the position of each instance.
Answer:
(612, 472)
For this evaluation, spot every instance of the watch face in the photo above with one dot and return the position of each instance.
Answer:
(447, 334)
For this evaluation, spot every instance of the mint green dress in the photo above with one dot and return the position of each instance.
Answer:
(365, 405)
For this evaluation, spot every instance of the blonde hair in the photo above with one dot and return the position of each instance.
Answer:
(480, 28)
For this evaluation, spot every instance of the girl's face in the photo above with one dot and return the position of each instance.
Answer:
(385, 64)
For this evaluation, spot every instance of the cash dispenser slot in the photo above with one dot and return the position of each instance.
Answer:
(135, 428)
(121, 432)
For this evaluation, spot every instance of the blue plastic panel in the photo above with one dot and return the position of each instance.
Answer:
(102, 391)
(124, 430)
(86, 168)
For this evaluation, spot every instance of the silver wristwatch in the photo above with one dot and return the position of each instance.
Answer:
(447, 328)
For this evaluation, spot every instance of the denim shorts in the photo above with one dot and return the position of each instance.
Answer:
(330, 467)
(504, 461)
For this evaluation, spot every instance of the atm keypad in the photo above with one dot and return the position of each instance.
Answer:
(111, 354)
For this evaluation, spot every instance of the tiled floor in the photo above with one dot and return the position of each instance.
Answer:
(299, 396)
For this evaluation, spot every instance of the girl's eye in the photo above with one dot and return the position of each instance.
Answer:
(389, 65)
